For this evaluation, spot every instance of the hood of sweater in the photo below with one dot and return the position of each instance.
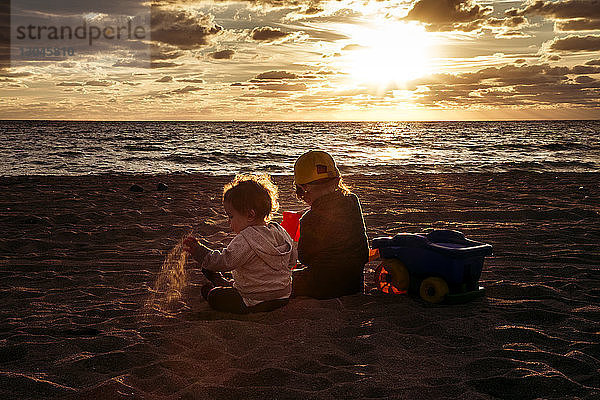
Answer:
(271, 243)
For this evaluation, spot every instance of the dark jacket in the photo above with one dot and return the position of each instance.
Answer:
(333, 245)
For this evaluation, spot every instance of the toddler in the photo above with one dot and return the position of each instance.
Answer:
(260, 256)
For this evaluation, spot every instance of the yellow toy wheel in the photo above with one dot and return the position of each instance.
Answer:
(433, 290)
(392, 277)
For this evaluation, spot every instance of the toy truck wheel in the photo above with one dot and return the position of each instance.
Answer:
(392, 277)
(433, 290)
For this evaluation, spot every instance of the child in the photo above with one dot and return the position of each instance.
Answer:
(260, 256)
(333, 244)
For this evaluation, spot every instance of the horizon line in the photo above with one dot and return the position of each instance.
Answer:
(300, 120)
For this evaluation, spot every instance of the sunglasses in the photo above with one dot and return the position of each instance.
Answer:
(300, 192)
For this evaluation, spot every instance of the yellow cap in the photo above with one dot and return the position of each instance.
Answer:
(314, 165)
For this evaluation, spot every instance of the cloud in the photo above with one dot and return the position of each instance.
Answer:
(191, 80)
(511, 85)
(272, 94)
(182, 28)
(69, 84)
(186, 89)
(275, 75)
(164, 52)
(569, 15)
(585, 69)
(166, 78)
(567, 9)
(593, 62)
(579, 24)
(222, 55)
(311, 10)
(584, 79)
(353, 46)
(163, 64)
(575, 43)
(448, 15)
(284, 87)
(130, 63)
(98, 83)
(510, 22)
(267, 34)
(5, 73)
(53, 8)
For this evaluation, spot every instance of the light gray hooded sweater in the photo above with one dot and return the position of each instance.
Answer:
(260, 259)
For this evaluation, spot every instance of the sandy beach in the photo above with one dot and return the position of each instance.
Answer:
(79, 257)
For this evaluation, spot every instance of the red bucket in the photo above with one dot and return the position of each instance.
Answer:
(291, 223)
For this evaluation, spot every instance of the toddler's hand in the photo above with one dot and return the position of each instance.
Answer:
(192, 246)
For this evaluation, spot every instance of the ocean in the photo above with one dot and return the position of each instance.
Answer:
(226, 148)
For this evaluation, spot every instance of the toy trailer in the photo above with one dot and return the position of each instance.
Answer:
(441, 265)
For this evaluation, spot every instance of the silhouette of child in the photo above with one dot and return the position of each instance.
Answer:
(333, 244)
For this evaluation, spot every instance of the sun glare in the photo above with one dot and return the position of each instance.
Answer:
(388, 53)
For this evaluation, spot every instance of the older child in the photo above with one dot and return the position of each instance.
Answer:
(333, 244)
(260, 256)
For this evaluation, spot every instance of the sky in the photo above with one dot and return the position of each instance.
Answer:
(300, 60)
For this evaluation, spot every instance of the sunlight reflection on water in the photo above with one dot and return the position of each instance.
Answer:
(80, 148)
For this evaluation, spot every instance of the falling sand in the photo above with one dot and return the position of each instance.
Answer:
(170, 282)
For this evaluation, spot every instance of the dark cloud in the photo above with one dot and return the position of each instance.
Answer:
(584, 79)
(163, 64)
(98, 83)
(576, 43)
(569, 15)
(448, 15)
(284, 87)
(69, 84)
(159, 53)
(166, 78)
(276, 75)
(7, 74)
(512, 85)
(144, 64)
(182, 28)
(509, 22)
(585, 69)
(267, 34)
(272, 94)
(191, 80)
(311, 10)
(186, 89)
(593, 62)
(222, 55)
(567, 9)
(579, 24)
(78, 7)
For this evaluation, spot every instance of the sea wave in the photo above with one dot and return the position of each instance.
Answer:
(81, 148)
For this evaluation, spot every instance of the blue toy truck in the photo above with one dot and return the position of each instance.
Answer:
(441, 266)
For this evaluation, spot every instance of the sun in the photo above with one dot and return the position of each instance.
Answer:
(388, 53)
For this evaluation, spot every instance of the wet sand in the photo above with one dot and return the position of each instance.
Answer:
(80, 255)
